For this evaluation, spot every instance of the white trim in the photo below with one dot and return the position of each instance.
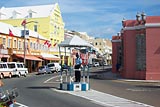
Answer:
(152, 24)
(142, 26)
(134, 27)
(116, 40)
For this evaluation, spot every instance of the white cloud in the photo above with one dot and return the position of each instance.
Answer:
(74, 6)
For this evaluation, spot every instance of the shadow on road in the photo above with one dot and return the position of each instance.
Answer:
(42, 87)
(148, 86)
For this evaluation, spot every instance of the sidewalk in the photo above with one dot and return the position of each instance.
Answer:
(105, 99)
(106, 73)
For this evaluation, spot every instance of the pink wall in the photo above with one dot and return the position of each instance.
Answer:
(152, 71)
(114, 53)
(114, 56)
(153, 53)
(129, 53)
(129, 44)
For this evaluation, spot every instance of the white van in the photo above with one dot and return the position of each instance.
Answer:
(5, 71)
(18, 68)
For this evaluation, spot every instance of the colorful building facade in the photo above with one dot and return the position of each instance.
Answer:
(33, 50)
(136, 50)
(48, 17)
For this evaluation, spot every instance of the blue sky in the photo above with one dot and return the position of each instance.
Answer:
(99, 18)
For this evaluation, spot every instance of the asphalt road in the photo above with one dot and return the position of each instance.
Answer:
(35, 92)
(144, 92)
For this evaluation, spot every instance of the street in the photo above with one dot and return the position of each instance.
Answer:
(144, 92)
(35, 92)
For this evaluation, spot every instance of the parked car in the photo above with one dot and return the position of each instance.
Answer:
(42, 70)
(5, 71)
(18, 68)
(104, 64)
(96, 64)
(58, 66)
(51, 68)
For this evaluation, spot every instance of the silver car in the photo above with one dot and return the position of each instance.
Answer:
(42, 70)
(51, 68)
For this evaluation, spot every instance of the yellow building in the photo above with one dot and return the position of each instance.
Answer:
(33, 51)
(50, 23)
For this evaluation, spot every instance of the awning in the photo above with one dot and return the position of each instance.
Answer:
(4, 56)
(50, 57)
(29, 57)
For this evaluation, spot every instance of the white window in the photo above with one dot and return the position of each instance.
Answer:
(31, 45)
(4, 42)
(9, 43)
(30, 15)
(19, 45)
(15, 44)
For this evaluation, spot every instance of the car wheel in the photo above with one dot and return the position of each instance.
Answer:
(10, 75)
(56, 70)
(19, 74)
(25, 74)
(1, 76)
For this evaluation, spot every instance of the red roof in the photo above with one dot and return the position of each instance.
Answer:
(130, 23)
(116, 37)
(149, 19)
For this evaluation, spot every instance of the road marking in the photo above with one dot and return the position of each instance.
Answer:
(20, 105)
(58, 80)
(104, 99)
(51, 78)
(142, 89)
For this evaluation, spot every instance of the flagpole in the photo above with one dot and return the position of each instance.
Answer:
(24, 23)
(24, 45)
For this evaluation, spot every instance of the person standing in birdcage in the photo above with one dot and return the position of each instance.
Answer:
(78, 62)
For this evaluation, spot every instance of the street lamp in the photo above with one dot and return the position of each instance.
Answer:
(24, 23)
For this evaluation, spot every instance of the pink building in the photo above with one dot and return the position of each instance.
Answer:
(137, 48)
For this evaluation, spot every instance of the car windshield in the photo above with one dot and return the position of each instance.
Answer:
(50, 65)
(20, 65)
(11, 66)
(41, 67)
(3, 66)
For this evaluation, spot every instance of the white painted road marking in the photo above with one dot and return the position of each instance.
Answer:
(107, 99)
(103, 98)
(20, 105)
(51, 78)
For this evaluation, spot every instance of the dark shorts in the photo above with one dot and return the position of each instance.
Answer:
(77, 66)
